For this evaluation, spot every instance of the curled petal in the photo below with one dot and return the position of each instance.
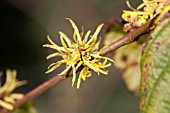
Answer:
(76, 30)
(20, 83)
(101, 57)
(98, 30)
(8, 99)
(96, 47)
(104, 66)
(74, 75)
(86, 37)
(9, 79)
(92, 41)
(87, 74)
(54, 66)
(79, 64)
(79, 79)
(94, 37)
(73, 61)
(54, 55)
(89, 64)
(63, 72)
(6, 105)
(16, 96)
(69, 42)
(103, 72)
(64, 44)
(141, 6)
(11, 85)
(104, 62)
(58, 48)
(74, 37)
(56, 63)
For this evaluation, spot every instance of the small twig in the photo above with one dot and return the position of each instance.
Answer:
(129, 38)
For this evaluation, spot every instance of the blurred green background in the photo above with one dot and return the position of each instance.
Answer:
(24, 27)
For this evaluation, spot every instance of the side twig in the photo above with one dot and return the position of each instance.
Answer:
(129, 38)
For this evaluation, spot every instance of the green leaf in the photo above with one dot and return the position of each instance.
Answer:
(155, 68)
(26, 108)
(127, 58)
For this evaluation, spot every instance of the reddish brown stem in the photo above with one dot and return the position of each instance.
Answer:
(129, 38)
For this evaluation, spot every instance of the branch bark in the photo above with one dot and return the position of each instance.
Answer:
(127, 39)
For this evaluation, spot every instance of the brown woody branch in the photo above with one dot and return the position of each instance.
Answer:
(127, 39)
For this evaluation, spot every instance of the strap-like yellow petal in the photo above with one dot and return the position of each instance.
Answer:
(74, 75)
(79, 64)
(69, 42)
(54, 55)
(89, 64)
(64, 44)
(63, 72)
(16, 96)
(79, 79)
(8, 99)
(79, 38)
(98, 30)
(86, 37)
(54, 66)
(6, 105)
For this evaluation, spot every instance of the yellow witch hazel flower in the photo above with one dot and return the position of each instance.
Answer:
(7, 98)
(145, 11)
(83, 52)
